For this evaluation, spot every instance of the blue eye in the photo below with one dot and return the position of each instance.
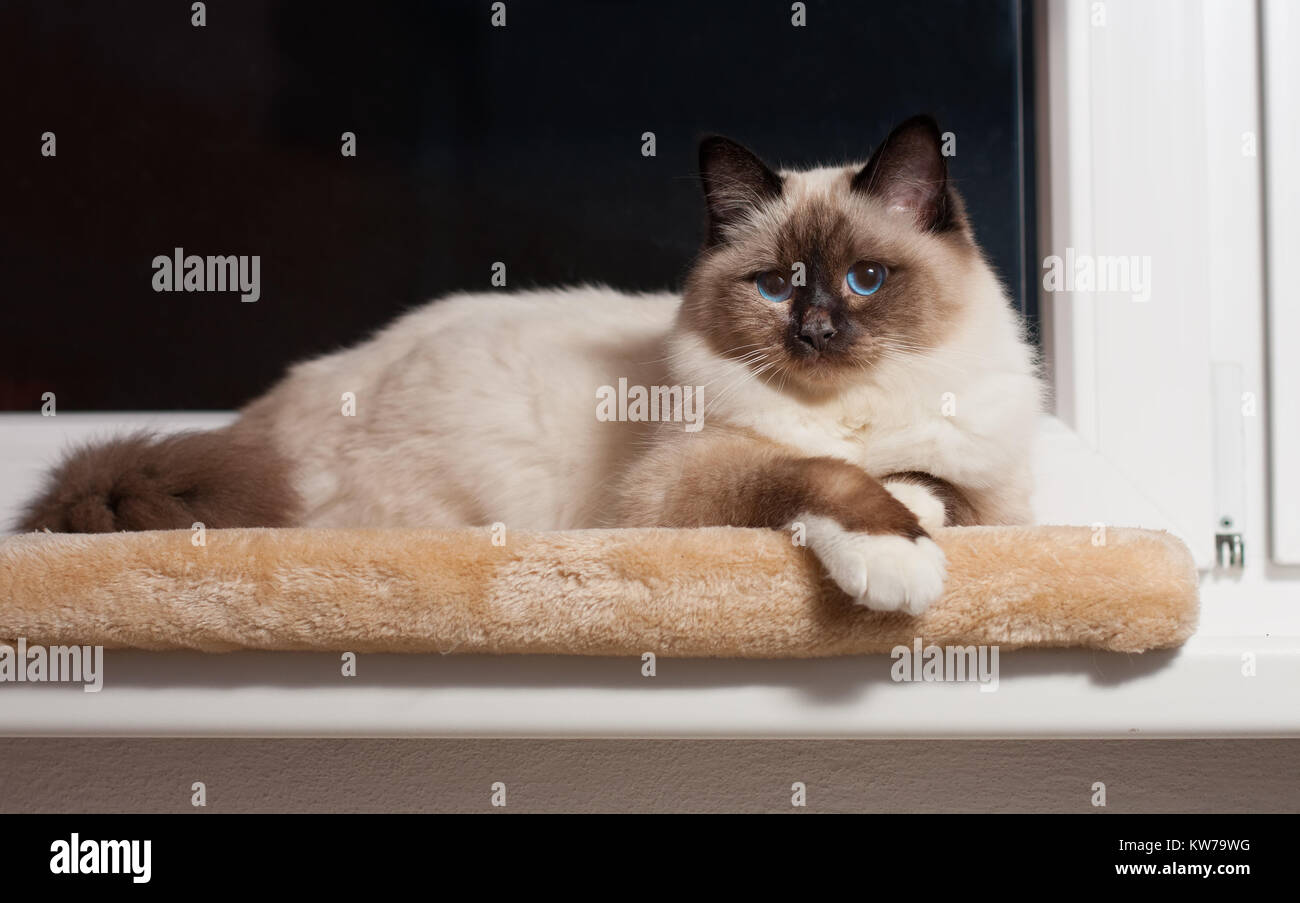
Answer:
(774, 286)
(866, 277)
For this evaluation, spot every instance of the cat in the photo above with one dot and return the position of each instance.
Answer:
(862, 380)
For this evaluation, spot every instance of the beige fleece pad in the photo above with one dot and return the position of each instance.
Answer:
(710, 592)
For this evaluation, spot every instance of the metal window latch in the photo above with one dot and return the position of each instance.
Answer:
(1229, 550)
(1229, 465)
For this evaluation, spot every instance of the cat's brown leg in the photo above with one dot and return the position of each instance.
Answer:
(871, 544)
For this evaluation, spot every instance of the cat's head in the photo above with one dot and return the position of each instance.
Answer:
(817, 278)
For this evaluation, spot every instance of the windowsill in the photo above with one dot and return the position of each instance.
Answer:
(1196, 691)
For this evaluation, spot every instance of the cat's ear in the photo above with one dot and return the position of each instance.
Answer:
(909, 173)
(735, 182)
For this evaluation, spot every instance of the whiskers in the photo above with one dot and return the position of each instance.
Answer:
(753, 370)
(773, 366)
(677, 354)
(912, 354)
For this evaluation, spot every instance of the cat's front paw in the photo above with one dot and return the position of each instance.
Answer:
(884, 572)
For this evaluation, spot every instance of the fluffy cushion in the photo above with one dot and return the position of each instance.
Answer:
(710, 592)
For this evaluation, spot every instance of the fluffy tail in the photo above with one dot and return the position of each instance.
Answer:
(222, 478)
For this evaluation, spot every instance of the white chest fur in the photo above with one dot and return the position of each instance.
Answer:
(967, 419)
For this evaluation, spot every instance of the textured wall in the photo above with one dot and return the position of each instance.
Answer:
(87, 775)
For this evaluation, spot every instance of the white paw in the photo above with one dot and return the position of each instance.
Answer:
(884, 572)
(927, 507)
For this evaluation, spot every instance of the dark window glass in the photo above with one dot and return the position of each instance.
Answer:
(474, 144)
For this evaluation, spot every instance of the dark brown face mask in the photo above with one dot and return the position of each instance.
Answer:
(821, 283)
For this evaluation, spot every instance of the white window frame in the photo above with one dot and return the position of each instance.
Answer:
(1142, 110)
(1280, 32)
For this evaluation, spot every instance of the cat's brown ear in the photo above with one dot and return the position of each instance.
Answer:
(735, 182)
(910, 174)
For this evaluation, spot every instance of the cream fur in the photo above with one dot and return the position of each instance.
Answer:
(472, 410)
(481, 408)
(452, 430)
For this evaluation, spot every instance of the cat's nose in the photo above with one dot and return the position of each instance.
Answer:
(817, 330)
